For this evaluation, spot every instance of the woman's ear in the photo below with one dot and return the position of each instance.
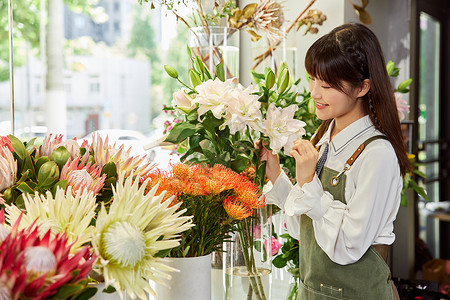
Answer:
(364, 88)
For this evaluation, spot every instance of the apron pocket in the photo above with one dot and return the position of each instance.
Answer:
(331, 290)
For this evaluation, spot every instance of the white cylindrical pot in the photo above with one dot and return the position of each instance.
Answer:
(193, 281)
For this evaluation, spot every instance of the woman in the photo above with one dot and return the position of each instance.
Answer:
(343, 211)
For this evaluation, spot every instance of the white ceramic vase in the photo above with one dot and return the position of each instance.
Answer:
(193, 281)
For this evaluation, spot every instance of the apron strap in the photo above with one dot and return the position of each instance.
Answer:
(361, 147)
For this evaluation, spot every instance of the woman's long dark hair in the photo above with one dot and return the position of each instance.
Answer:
(351, 53)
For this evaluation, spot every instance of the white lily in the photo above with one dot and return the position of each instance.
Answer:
(214, 95)
(282, 129)
(244, 110)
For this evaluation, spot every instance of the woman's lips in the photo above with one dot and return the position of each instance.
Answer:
(320, 105)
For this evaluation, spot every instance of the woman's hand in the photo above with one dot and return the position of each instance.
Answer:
(273, 168)
(305, 161)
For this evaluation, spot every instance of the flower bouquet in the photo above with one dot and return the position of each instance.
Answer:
(76, 215)
(220, 122)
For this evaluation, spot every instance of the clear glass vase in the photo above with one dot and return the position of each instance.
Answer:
(294, 282)
(214, 44)
(248, 258)
(266, 55)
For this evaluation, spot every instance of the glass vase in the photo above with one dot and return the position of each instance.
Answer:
(214, 44)
(294, 282)
(266, 55)
(248, 258)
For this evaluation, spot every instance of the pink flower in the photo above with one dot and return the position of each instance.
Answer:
(81, 177)
(49, 144)
(257, 231)
(6, 142)
(276, 246)
(402, 106)
(8, 169)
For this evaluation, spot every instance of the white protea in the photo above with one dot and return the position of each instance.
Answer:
(127, 237)
(105, 153)
(8, 169)
(63, 213)
(269, 18)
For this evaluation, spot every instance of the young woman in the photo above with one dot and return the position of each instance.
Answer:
(343, 212)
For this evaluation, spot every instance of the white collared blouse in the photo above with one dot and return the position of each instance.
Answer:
(372, 192)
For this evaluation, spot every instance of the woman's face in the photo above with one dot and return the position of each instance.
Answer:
(331, 103)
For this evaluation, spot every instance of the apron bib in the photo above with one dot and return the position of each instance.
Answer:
(321, 278)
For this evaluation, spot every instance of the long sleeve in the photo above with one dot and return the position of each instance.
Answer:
(277, 195)
(346, 231)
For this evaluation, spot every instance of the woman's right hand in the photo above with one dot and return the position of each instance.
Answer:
(273, 168)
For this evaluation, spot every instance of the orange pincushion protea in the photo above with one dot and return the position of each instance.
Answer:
(201, 180)
(37, 268)
(236, 209)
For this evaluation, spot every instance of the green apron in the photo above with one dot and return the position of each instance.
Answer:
(321, 278)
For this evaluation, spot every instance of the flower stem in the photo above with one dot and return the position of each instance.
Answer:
(250, 263)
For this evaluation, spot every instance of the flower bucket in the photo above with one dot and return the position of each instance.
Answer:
(193, 281)
(214, 44)
(249, 258)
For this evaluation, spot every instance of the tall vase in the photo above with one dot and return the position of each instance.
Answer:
(193, 281)
(270, 56)
(214, 44)
(249, 258)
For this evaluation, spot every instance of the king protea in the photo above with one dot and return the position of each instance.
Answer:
(137, 226)
(82, 177)
(8, 169)
(63, 213)
(104, 153)
(36, 268)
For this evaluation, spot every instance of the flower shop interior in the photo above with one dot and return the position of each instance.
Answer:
(104, 158)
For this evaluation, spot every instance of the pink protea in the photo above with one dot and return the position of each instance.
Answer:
(8, 169)
(49, 144)
(6, 142)
(71, 146)
(82, 177)
(104, 153)
(36, 268)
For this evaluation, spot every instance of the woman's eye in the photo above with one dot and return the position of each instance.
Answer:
(325, 87)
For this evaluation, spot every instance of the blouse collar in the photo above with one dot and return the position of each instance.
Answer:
(346, 135)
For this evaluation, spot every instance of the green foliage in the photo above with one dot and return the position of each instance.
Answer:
(212, 226)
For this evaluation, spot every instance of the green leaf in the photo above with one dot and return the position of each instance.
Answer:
(171, 71)
(189, 52)
(390, 67)
(60, 155)
(60, 184)
(48, 175)
(404, 84)
(194, 78)
(220, 72)
(40, 161)
(19, 147)
(180, 132)
(27, 187)
(110, 169)
(279, 262)
(239, 165)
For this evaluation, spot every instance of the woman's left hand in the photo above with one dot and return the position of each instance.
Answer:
(305, 161)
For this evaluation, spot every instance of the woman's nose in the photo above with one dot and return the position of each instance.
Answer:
(315, 94)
